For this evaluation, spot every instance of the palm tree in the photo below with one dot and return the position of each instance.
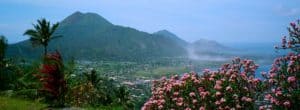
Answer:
(3, 45)
(42, 33)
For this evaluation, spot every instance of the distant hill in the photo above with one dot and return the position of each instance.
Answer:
(90, 36)
(209, 50)
(172, 36)
(209, 46)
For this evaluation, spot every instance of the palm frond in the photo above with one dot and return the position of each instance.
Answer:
(54, 27)
(31, 33)
(35, 42)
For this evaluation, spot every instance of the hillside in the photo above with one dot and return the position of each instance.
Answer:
(90, 36)
(170, 35)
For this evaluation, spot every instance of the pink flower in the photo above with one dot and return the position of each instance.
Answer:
(261, 107)
(272, 75)
(243, 98)
(217, 102)
(218, 93)
(176, 93)
(273, 100)
(291, 79)
(227, 107)
(235, 96)
(268, 96)
(161, 92)
(160, 107)
(228, 88)
(194, 101)
(188, 109)
(223, 100)
(174, 99)
(202, 108)
(179, 103)
(197, 81)
(293, 24)
(192, 94)
(256, 80)
(218, 82)
(271, 81)
(180, 99)
(287, 103)
(204, 94)
(201, 89)
(206, 70)
(238, 106)
(278, 93)
(162, 101)
(218, 87)
(248, 100)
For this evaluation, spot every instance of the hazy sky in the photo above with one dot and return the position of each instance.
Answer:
(220, 20)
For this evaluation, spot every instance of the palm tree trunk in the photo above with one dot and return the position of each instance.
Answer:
(45, 50)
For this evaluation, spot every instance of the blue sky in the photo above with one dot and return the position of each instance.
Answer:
(221, 20)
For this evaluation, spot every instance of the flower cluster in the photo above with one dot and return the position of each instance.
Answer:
(283, 82)
(233, 86)
(294, 38)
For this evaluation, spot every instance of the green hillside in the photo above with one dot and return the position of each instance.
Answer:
(90, 36)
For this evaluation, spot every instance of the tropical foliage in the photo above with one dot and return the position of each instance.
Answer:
(52, 78)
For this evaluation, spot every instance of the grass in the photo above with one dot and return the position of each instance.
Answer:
(7, 103)
(106, 108)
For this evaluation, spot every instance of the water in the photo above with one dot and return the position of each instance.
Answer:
(262, 68)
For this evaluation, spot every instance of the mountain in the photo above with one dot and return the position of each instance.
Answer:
(208, 47)
(170, 35)
(90, 36)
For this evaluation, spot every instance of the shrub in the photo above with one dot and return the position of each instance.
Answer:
(233, 86)
(84, 95)
(52, 79)
(283, 82)
(92, 90)
(283, 78)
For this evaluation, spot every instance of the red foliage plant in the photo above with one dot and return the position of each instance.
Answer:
(52, 77)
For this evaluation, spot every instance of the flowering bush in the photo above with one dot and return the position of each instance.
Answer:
(52, 79)
(293, 41)
(233, 86)
(283, 82)
(283, 78)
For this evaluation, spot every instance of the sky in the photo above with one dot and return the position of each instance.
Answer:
(226, 21)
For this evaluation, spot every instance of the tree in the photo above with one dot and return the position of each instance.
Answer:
(3, 45)
(42, 33)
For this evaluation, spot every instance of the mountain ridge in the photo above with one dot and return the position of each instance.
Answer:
(90, 36)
